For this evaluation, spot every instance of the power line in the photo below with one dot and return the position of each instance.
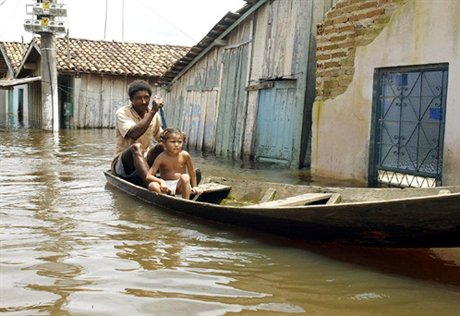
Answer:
(105, 25)
(12, 16)
(194, 40)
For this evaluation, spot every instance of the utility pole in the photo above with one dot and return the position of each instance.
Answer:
(47, 26)
(50, 114)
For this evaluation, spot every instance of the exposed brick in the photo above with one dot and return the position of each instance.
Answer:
(368, 5)
(323, 57)
(336, 73)
(357, 17)
(342, 4)
(330, 30)
(333, 14)
(358, 1)
(338, 38)
(348, 28)
(375, 13)
(323, 74)
(331, 84)
(340, 20)
(339, 54)
(331, 64)
(331, 47)
(352, 8)
(344, 32)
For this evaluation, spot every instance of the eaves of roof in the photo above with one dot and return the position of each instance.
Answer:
(228, 23)
(105, 57)
(12, 54)
(9, 83)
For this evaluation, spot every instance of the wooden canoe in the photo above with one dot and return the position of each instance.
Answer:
(379, 217)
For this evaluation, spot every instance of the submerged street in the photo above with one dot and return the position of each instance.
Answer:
(71, 244)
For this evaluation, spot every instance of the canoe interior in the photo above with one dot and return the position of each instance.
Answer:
(249, 191)
(351, 216)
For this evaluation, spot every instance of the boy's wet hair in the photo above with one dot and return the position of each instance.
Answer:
(171, 130)
(138, 85)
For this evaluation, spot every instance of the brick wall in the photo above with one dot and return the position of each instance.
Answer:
(348, 25)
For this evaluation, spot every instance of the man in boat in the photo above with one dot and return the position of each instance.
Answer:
(135, 126)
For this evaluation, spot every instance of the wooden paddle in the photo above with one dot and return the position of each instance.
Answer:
(162, 114)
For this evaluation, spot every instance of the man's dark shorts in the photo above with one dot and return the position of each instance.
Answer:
(119, 170)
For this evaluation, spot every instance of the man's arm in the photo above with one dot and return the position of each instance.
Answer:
(141, 127)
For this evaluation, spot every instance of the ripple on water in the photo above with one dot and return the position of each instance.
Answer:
(70, 244)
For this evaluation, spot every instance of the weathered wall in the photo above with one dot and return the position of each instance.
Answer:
(96, 99)
(419, 32)
(192, 103)
(211, 101)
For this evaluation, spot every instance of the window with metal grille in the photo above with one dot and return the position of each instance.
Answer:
(409, 111)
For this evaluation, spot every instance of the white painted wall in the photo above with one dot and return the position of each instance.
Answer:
(419, 32)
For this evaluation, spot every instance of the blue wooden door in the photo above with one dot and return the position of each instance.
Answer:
(274, 131)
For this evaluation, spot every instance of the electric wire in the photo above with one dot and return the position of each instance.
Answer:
(170, 23)
(12, 16)
(105, 23)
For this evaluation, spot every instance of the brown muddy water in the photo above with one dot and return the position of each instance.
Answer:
(72, 245)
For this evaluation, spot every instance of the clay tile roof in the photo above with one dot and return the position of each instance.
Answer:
(117, 58)
(13, 52)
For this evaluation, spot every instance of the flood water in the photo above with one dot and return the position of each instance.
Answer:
(73, 245)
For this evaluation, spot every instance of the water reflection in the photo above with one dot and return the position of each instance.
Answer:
(70, 244)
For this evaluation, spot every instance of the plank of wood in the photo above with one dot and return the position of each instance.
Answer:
(334, 199)
(295, 200)
(268, 196)
(214, 187)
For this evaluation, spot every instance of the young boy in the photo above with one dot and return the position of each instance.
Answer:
(173, 165)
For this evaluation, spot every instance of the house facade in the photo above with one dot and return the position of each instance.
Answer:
(93, 78)
(246, 90)
(387, 105)
(13, 93)
(354, 89)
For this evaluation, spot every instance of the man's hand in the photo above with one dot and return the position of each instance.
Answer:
(157, 103)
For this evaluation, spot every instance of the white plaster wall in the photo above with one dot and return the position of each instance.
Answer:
(419, 32)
